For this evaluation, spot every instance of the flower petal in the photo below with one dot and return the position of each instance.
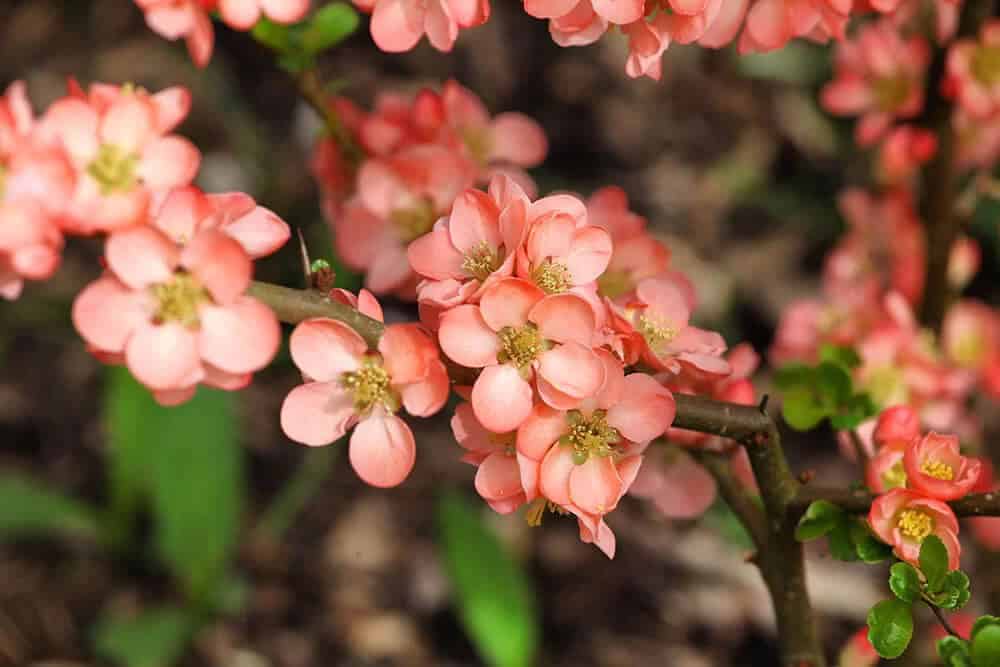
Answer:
(382, 450)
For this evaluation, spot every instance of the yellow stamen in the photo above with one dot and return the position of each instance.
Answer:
(985, 64)
(894, 477)
(520, 345)
(613, 284)
(114, 169)
(590, 436)
(412, 223)
(891, 92)
(937, 470)
(656, 332)
(482, 260)
(552, 277)
(915, 524)
(177, 300)
(370, 386)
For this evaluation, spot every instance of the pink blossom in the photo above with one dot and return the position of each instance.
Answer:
(498, 475)
(518, 335)
(608, 208)
(187, 211)
(397, 25)
(858, 652)
(620, 13)
(125, 159)
(244, 14)
(898, 425)
(935, 468)
(176, 19)
(30, 246)
(964, 262)
(177, 316)
(879, 76)
(904, 151)
(770, 24)
(903, 518)
(678, 487)
(346, 386)
(973, 71)
(885, 470)
(578, 27)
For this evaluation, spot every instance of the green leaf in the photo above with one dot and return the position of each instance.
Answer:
(196, 478)
(850, 414)
(890, 627)
(802, 410)
(984, 621)
(869, 548)
(954, 591)
(933, 562)
(273, 35)
(904, 580)
(985, 650)
(155, 638)
(840, 542)
(834, 383)
(125, 411)
(819, 519)
(496, 601)
(794, 376)
(28, 509)
(841, 355)
(329, 26)
(954, 652)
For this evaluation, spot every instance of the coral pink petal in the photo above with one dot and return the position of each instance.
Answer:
(172, 107)
(474, 221)
(466, 338)
(141, 257)
(180, 213)
(501, 398)
(572, 369)
(564, 318)
(551, 236)
(285, 11)
(548, 9)
(428, 396)
(106, 313)
(646, 410)
(620, 12)
(129, 123)
(396, 25)
(390, 270)
(498, 477)
(407, 352)
(553, 481)
(220, 263)
(240, 14)
(589, 255)
(316, 413)
(687, 489)
(540, 431)
(508, 302)
(382, 450)
(323, 349)
(260, 232)
(595, 486)
(162, 356)
(433, 256)
(169, 162)
(519, 140)
(241, 337)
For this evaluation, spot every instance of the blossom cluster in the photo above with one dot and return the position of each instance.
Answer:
(915, 476)
(413, 156)
(171, 303)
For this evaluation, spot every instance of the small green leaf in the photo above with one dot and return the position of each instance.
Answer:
(954, 652)
(840, 543)
(868, 547)
(155, 638)
(794, 376)
(850, 414)
(802, 410)
(329, 26)
(985, 650)
(819, 519)
(273, 35)
(954, 591)
(904, 580)
(28, 509)
(984, 621)
(933, 562)
(834, 383)
(890, 627)
(841, 355)
(495, 598)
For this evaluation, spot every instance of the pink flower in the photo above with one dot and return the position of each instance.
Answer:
(620, 13)
(898, 425)
(770, 24)
(903, 518)
(904, 151)
(30, 246)
(187, 211)
(498, 477)
(970, 335)
(879, 76)
(578, 27)
(935, 468)
(885, 470)
(608, 209)
(632, 261)
(858, 652)
(125, 160)
(174, 19)
(973, 71)
(244, 14)
(177, 316)
(517, 335)
(347, 385)
(964, 262)
(397, 25)
(647, 40)
(678, 487)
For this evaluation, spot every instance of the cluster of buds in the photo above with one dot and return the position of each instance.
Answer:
(407, 162)
(171, 304)
(915, 476)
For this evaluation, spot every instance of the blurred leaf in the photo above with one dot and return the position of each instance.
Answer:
(126, 409)
(933, 562)
(840, 543)
(721, 518)
(833, 383)
(273, 35)
(853, 412)
(868, 547)
(954, 652)
(954, 593)
(155, 638)
(329, 26)
(819, 519)
(985, 650)
(796, 63)
(984, 621)
(802, 409)
(197, 483)
(842, 355)
(890, 627)
(495, 598)
(794, 376)
(904, 580)
(28, 509)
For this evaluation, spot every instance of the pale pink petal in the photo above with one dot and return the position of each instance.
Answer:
(428, 396)
(548, 9)
(595, 485)
(589, 255)
(129, 123)
(316, 413)
(466, 338)
(285, 11)
(501, 398)
(169, 162)
(141, 256)
(396, 25)
(474, 221)
(241, 337)
(564, 318)
(240, 14)
(553, 481)
(646, 410)
(323, 349)
(508, 302)
(519, 140)
(498, 477)
(106, 313)
(260, 232)
(572, 369)
(433, 256)
(172, 106)
(162, 356)
(543, 427)
(382, 450)
(620, 12)
(219, 263)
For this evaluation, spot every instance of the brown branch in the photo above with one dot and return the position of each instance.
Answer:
(294, 305)
(942, 620)
(859, 502)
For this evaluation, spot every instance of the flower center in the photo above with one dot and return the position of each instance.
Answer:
(894, 477)
(536, 510)
(482, 260)
(412, 223)
(985, 64)
(114, 169)
(3, 180)
(479, 143)
(369, 386)
(552, 277)
(887, 386)
(590, 436)
(915, 524)
(656, 331)
(613, 284)
(968, 351)
(937, 470)
(520, 345)
(891, 92)
(178, 299)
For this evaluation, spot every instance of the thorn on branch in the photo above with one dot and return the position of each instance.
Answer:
(763, 404)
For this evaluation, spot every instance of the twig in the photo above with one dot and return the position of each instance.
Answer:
(942, 620)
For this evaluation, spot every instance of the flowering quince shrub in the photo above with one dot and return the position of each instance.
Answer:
(573, 344)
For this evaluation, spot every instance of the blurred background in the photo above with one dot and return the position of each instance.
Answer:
(730, 159)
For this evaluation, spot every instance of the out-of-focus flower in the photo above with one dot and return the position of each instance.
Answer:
(187, 19)
(397, 25)
(935, 468)
(973, 71)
